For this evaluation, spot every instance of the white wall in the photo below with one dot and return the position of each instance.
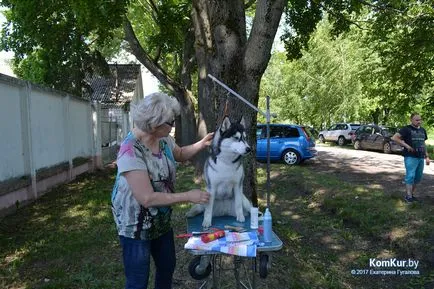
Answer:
(80, 134)
(48, 113)
(11, 131)
(41, 130)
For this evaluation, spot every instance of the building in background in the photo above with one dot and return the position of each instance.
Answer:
(113, 93)
(5, 60)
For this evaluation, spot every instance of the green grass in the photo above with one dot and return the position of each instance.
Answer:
(67, 238)
(340, 226)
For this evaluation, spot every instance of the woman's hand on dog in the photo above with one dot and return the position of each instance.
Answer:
(198, 197)
(206, 141)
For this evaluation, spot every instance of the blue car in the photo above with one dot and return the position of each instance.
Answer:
(291, 143)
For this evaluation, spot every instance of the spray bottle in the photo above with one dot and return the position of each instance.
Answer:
(268, 231)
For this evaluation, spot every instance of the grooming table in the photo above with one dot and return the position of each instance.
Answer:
(206, 262)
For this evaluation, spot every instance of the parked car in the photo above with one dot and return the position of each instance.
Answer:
(339, 133)
(290, 143)
(375, 137)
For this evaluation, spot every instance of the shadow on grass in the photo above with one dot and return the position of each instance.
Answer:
(65, 239)
(331, 226)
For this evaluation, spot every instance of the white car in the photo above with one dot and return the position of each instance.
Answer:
(339, 133)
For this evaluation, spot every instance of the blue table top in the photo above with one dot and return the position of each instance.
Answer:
(195, 225)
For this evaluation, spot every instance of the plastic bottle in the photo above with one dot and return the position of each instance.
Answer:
(254, 218)
(268, 231)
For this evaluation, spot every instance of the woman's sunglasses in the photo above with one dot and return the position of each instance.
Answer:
(170, 123)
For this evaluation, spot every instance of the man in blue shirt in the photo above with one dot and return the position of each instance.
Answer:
(412, 137)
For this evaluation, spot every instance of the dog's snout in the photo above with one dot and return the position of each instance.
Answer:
(248, 149)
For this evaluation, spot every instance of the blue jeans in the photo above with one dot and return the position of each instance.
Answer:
(136, 257)
(413, 170)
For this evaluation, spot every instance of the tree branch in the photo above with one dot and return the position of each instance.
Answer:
(380, 7)
(188, 59)
(249, 4)
(146, 60)
(264, 28)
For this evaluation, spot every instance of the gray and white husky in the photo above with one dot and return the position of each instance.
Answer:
(224, 175)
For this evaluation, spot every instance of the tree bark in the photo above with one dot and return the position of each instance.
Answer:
(186, 128)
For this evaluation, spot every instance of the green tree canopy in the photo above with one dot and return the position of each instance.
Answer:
(400, 37)
(338, 79)
(57, 43)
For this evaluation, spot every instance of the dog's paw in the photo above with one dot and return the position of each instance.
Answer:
(241, 218)
(206, 223)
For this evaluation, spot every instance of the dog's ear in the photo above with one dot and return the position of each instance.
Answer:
(215, 143)
(225, 124)
(243, 122)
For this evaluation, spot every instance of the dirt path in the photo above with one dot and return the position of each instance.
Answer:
(373, 169)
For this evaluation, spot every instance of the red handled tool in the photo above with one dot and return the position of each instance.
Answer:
(197, 234)
(193, 234)
(212, 236)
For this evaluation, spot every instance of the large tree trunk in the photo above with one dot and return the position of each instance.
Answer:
(185, 125)
(223, 50)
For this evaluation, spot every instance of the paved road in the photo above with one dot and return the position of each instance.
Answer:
(376, 169)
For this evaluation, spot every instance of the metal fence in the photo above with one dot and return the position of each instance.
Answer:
(113, 129)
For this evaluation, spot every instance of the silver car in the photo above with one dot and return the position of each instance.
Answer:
(339, 133)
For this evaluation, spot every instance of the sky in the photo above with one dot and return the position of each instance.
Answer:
(150, 83)
(4, 63)
(5, 57)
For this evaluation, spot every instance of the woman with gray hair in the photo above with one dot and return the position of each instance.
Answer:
(144, 191)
